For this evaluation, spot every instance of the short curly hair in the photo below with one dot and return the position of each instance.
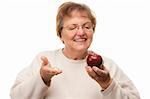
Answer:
(65, 10)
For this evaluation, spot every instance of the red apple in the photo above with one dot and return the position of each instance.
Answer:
(94, 59)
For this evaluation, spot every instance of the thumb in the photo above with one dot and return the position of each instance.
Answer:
(44, 60)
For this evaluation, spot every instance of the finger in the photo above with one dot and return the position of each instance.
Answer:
(44, 61)
(50, 72)
(100, 72)
(90, 72)
(56, 71)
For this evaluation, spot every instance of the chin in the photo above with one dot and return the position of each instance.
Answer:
(81, 48)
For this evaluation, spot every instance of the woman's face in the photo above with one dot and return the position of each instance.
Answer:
(77, 32)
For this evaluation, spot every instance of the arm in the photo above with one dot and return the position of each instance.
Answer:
(115, 84)
(29, 84)
(121, 86)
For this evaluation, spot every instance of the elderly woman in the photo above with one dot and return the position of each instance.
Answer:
(64, 73)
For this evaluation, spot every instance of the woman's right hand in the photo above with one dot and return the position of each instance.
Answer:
(47, 71)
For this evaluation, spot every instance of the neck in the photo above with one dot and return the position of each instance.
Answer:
(75, 55)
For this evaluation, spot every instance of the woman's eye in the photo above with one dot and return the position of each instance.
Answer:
(87, 27)
(71, 27)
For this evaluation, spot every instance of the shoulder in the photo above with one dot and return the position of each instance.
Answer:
(49, 54)
(108, 60)
(113, 68)
(36, 62)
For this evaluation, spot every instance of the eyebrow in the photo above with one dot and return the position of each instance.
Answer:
(77, 24)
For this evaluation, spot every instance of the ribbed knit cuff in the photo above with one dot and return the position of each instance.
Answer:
(110, 88)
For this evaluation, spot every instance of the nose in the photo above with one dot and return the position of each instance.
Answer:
(80, 31)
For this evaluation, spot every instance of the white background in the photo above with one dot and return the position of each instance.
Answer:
(27, 27)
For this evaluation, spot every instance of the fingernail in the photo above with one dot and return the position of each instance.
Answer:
(95, 68)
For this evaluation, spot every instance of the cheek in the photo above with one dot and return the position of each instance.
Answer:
(66, 37)
(90, 35)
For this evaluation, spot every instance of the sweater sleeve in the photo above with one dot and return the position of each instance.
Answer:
(121, 86)
(29, 84)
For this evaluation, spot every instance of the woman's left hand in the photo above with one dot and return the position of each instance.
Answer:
(102, 76)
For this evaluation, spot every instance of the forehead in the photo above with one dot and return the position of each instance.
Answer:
(78, 13)
(76, 17)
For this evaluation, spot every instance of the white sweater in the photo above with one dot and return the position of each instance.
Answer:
(72, 83)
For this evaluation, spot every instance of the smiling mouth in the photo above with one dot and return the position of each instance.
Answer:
(80, 40)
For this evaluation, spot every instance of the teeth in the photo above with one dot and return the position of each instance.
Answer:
(79, 40)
